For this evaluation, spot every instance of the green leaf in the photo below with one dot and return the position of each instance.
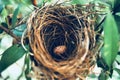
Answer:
(26, 2)
(117, 20)
(79, 1)
(47, 0)
(4, 25)
(111, 39)
(6, 1)
(103, 76)
(1, 8)
(10, 56)
(27, 62)
(119, 53)
(92, 75)
(115, 5)
(18, 31)
(25, 10)
(1, 30)
(117, 70)
(14, 18)
(118, 58)
(3, 14)
(101, 63)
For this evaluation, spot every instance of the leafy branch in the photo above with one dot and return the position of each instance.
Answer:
(10, 33)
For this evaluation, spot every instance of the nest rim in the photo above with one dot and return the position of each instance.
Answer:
(65, 68)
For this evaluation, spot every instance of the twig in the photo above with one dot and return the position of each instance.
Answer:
(102, 20)
(10, 33)
(22, 40)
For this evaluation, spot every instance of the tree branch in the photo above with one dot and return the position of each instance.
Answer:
(10, 33)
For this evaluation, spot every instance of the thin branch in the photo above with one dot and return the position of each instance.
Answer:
(22, 40)
(102, 20)
(10, 33)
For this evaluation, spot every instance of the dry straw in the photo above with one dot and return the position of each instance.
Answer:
(62, 39)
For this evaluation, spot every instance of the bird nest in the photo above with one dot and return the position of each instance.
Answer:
(62, 39)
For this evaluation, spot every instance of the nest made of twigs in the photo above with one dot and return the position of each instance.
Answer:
(62, 38)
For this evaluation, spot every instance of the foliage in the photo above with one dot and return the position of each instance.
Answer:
(9, 57)
(108, 26)
(110, 42)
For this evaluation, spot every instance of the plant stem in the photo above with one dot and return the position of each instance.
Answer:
(10, 33)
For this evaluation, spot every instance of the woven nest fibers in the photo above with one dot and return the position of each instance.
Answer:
(62, 38)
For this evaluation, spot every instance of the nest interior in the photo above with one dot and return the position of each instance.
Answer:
(62, 31)
(60, 38)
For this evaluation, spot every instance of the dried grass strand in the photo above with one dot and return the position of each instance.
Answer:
(81, 60)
